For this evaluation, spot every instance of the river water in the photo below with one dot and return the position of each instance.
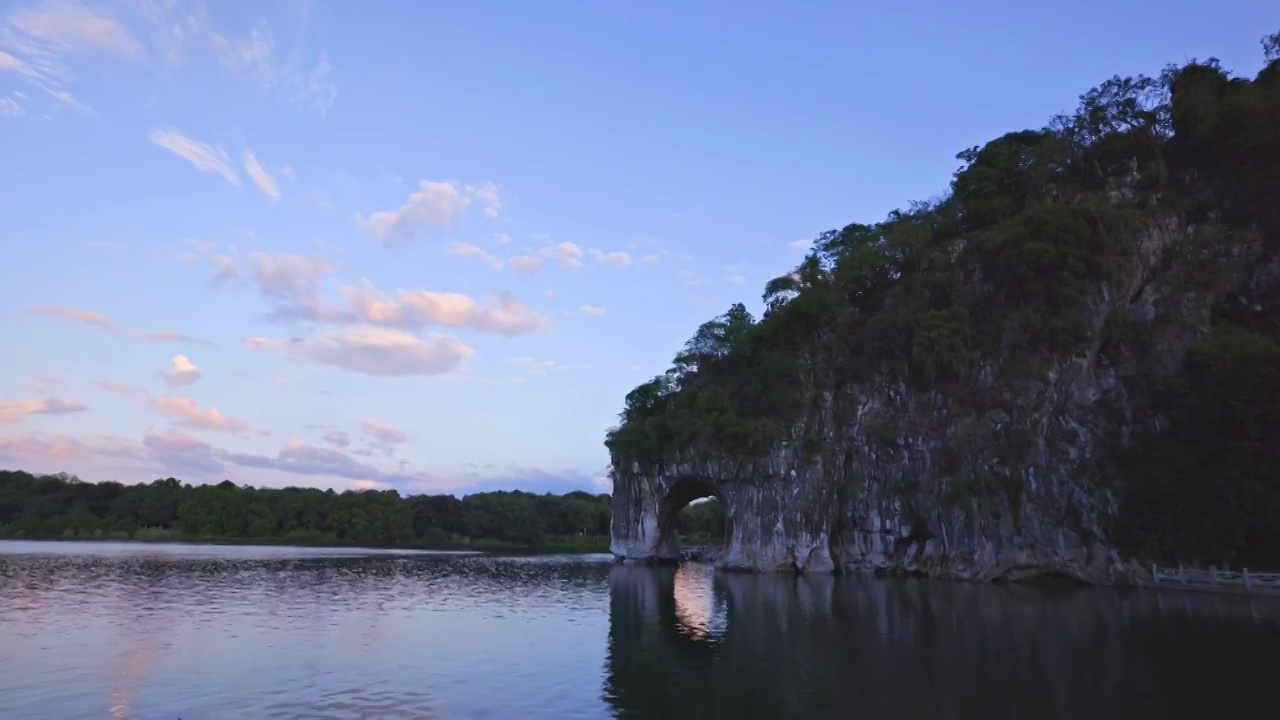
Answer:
(121, 630)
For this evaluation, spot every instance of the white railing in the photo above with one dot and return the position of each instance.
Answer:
(1216, 579)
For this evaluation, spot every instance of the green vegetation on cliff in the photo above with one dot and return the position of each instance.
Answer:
(47, 506)
(1011, 275)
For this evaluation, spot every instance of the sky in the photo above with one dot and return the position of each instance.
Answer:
(431, 246)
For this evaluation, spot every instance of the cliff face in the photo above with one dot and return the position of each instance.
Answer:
(907, 481)
(995, 475)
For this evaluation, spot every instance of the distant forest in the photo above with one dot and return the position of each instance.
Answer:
(63, 506)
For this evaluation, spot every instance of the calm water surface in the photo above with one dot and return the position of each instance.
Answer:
(117, 630)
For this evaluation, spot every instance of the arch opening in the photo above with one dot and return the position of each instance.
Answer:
(707, 515)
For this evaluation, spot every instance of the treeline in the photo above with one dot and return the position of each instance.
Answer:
(982, 290)
(63, 506)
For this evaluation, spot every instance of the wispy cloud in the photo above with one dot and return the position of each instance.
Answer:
(202, 156)
(11, 64)
(475, 251)
(373, 351)
(183, 454)
(693, 279)
(13, 412)
(291, 284)
(301, 458)
(384, 433)
(567, 253)
(40, 40)
(253, 55)
(534, 366)
(524, 264)
(619, 258)
(10, 108)
(408, 309)
(799, 244)
(71, 27)
(591, 310)
(434, 204)
(336, 438)
(260, 176)
(107, 323)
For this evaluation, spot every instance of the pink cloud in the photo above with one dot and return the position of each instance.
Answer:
(384, 433)
(409, 309)
(13, 412)
(374, 351)
(188, 413)
(106, 322)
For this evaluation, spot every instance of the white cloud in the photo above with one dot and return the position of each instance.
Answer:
(489, 197)
(204, 157)
(524, 264)
(291, 284)
(619, 258)
(500, 238)
(184, 372)
(10, 107)
(106, 322)
(535, 367)
(466, 250)
(591, 310)
(287, 171)
(287, 276)
(504, 314)
(374, 351)
(224, 265)
(434, 204)
(569, 254)
(733, 274)
(260, 177)
(13, 412)
(799, 244)
(649, 260)
(692, 279)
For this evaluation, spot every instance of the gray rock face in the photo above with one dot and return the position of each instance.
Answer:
(916, 481)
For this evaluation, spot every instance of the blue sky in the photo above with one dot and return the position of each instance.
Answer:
(431, 246)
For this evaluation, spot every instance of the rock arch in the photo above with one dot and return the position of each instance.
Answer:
(645, 511)
(770, 524)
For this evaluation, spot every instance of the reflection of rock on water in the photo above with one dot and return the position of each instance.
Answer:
(693, 642)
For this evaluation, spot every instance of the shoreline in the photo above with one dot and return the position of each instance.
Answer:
(476, 546)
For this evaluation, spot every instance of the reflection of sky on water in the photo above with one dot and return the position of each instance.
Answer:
(699, 616)
(236, 632)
